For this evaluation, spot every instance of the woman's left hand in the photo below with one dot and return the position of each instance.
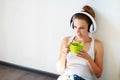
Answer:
(83, 54)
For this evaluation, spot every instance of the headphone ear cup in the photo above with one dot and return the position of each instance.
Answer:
(72, 25)
(71, 22)
(91, 28)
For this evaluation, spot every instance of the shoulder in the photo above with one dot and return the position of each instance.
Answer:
(98, 45)
(66, 39)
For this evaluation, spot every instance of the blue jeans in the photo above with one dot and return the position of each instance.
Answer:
(75, 77)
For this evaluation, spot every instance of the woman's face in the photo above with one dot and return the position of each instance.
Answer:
(81, 28)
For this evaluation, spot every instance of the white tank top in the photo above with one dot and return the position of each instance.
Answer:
(79, 66)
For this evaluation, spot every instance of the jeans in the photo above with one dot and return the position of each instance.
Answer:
(75, 77)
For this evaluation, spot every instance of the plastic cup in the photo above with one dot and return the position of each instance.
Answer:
(76, 47)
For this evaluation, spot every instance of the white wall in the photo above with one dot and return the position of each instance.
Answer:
(31, 32)
(108, 17)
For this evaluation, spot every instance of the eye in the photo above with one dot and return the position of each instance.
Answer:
(82, 28)
(75, 26)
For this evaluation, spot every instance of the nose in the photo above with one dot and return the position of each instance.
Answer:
(78, 30)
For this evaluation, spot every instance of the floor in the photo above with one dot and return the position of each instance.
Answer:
(9, 73)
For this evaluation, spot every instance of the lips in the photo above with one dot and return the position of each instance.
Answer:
(79, 35)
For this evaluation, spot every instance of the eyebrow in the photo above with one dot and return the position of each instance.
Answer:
(80, 26)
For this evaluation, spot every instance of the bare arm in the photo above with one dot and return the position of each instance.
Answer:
(61, 64)
(96, 66)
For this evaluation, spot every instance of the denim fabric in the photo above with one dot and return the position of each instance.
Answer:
(75, 77)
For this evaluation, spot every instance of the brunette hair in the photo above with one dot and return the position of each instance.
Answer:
(86, 9)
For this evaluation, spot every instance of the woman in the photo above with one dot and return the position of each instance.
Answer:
(88, 62)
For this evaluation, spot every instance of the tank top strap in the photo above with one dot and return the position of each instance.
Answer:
(71, 39)
(92, 49)
(92, 44)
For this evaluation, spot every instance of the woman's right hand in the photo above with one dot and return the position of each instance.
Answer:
(65, 49)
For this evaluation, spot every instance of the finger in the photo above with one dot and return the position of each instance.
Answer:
(81, 52)
(79, 55)
(65, 50)
(66, 46)
(69, 44)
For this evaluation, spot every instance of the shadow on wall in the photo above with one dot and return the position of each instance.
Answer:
(108, 34)
(119, 73)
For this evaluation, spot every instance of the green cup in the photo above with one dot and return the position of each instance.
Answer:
(76, 47)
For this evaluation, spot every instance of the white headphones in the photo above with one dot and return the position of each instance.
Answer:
(92, 26)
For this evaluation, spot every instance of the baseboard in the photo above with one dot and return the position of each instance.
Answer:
(29, 69)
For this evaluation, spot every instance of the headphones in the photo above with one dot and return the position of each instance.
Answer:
(92, 26)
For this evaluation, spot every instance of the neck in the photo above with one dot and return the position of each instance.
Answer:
(82, 40)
